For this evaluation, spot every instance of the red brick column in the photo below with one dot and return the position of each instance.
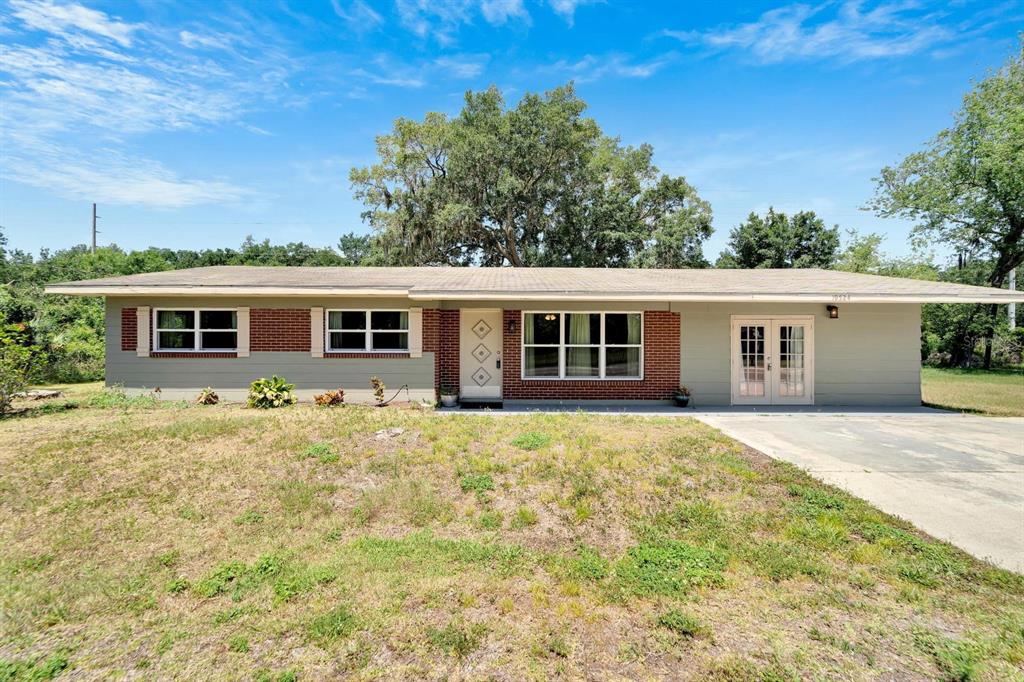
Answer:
(660, 358)
(279, 329)
(129, 328)
(447, 358)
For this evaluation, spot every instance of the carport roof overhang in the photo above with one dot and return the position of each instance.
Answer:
(537, 284)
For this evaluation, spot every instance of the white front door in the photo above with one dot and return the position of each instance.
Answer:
(480, 353)
(773, 361)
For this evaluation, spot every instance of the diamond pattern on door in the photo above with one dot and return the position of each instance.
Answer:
(481, 353)
(481, 376)
(481, 328)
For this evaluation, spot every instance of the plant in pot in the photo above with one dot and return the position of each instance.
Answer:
(449, 395)
(682, 396)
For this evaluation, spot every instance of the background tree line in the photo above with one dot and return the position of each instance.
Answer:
(540, 184)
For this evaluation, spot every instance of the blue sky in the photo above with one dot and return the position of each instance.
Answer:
(195, 124)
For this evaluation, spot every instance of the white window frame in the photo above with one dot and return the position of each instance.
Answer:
(368, 331)
(196, 330)
(562, 345)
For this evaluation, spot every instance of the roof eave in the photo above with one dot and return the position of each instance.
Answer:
(422, 295)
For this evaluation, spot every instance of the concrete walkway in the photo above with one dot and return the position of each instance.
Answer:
(957, 477)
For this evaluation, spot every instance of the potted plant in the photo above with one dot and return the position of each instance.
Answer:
(682, 396)
(449, 395)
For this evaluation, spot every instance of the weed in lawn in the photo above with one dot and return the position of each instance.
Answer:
(958, 660)
(264, 675)
(238, 644)
(588, 565)
(329, 627)
(523, 518)
(477, 483)
(249, 518)
(531, 440)
(115, 397)
(682, 624)
(321, 451)
(35, 670)
(178, 585)
(668, 568)
(414, 501)
(458, 639)
(781, 561)
(490, 520)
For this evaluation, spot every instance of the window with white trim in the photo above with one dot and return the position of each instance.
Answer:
(364, 331)
(584, 345)
(195, 329)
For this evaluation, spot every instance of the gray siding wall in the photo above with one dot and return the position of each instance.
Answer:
(183, 377)
(869, 356)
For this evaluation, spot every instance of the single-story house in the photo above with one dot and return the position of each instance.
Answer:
(734, 337)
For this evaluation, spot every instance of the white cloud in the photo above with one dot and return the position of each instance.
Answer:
(846, 32)
(94, 84)
(498, 12)
(66, 20)
(463, 66)
(440, 20)
(358, 15)
(594, 67)
(111, 177)
(567, 8)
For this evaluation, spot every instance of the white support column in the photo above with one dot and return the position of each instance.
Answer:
(316, 332)
(243, 332)
(415, 332)
(143, 324)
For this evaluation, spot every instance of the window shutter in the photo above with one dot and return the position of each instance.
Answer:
(142, 330)
(316, 332)
(242, 318)
(415, 332)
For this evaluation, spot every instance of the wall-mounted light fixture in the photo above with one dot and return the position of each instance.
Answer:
(510, 326)
(833, 312)
(550, 317)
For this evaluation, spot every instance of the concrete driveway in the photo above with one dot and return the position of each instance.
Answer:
(957, 477)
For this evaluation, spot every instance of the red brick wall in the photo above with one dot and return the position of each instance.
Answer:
(279, 329)
(446, 360)
(129, 328)
(660, 357)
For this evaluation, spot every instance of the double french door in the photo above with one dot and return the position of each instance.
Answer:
(773, 361)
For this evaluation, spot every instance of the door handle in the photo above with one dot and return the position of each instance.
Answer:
(497, 363)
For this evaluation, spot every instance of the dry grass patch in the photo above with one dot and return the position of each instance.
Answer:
(174, 541)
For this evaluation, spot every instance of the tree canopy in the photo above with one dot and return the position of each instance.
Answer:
(535, 184)
(966, 188)
(780, 241)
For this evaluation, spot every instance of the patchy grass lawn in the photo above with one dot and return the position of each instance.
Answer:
(998, 392)
(171, 541)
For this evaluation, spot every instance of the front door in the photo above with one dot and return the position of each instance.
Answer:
(773, 361)
(480, 353)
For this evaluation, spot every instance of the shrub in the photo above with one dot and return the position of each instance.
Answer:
(328, 398)
(207, 396)
(273, 392)
(17, 364)
(378, 390)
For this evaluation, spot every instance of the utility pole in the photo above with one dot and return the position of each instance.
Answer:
(94, 217)
(1013, 306)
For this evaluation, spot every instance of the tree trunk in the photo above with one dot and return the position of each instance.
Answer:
(993, 311)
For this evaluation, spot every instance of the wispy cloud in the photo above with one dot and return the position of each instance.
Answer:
(358, 15)
(78, 84)
(844, 31)
(567, 8)
(440, 20)
(591, 68)
(462, 66)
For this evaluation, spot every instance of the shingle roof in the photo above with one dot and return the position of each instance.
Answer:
(537, 283)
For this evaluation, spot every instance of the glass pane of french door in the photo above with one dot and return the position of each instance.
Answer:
(753, 379)
(792, 360)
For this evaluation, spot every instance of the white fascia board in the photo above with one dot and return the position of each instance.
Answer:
(838, 298)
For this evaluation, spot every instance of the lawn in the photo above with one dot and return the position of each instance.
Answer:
(993, 392)
(182, 542)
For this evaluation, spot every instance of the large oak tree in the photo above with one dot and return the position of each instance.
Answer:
(534, 184)
(966, 188)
